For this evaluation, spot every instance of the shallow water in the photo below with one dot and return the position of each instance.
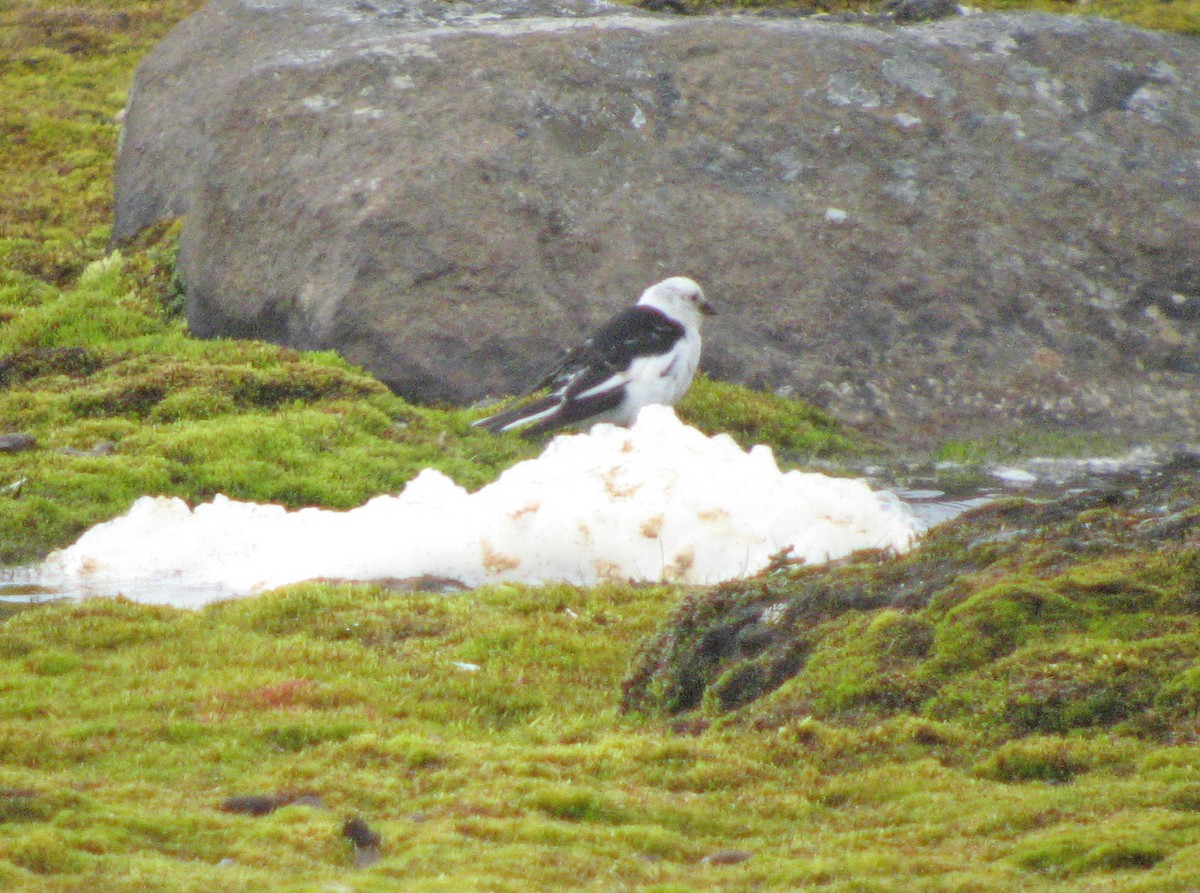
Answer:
(27, 586)
(933, 507)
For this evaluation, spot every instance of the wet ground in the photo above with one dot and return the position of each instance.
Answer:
(940, 492)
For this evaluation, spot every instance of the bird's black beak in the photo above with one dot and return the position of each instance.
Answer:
(708, 309)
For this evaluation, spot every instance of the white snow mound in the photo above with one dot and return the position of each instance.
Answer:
(657, 501)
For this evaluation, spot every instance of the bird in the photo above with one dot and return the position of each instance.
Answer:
(645, 354)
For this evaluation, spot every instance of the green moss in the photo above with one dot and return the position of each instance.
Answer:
(1088, 687)
(1074, 855)
(21, 366)
(1179, 698)
(1051, 760)
(66, 71)
(47, 851)
(575, 804)
(27, 805)
(1185, 798)
(192, 404)
(351, 693)
(54, 663)
(995, 621)
(863, 666)
(294, 736)
(1019, 444)
(795, 429)
(1183, 17)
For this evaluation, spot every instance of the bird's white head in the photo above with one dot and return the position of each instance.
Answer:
(679, 298)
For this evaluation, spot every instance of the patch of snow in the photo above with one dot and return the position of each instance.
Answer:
(1014, 475)
(657, 501)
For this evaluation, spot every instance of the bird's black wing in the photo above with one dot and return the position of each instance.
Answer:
(634, 332)
(588, 380)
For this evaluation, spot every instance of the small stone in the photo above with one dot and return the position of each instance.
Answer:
(16, 442)
(368, 844)
(310, 800)
(254, 804)
(726, 857)
(264, 804)
(360, 833)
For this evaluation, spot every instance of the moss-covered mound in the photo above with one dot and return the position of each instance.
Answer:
(1024, 617)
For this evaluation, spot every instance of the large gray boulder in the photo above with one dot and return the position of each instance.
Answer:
(939, 230)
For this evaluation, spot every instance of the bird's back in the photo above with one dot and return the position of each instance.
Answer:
(634, 332)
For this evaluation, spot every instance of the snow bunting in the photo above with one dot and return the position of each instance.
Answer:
(645, 354)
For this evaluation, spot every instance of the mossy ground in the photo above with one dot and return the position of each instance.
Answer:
(480, 734)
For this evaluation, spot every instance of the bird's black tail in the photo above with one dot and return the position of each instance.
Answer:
(523, 418)
(551, 413)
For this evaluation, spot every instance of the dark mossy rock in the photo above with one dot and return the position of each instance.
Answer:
(1035, 617)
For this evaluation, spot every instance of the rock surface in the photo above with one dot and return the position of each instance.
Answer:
(16, 442)
(939, 230)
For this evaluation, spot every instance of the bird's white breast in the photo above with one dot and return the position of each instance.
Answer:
(660, 379)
